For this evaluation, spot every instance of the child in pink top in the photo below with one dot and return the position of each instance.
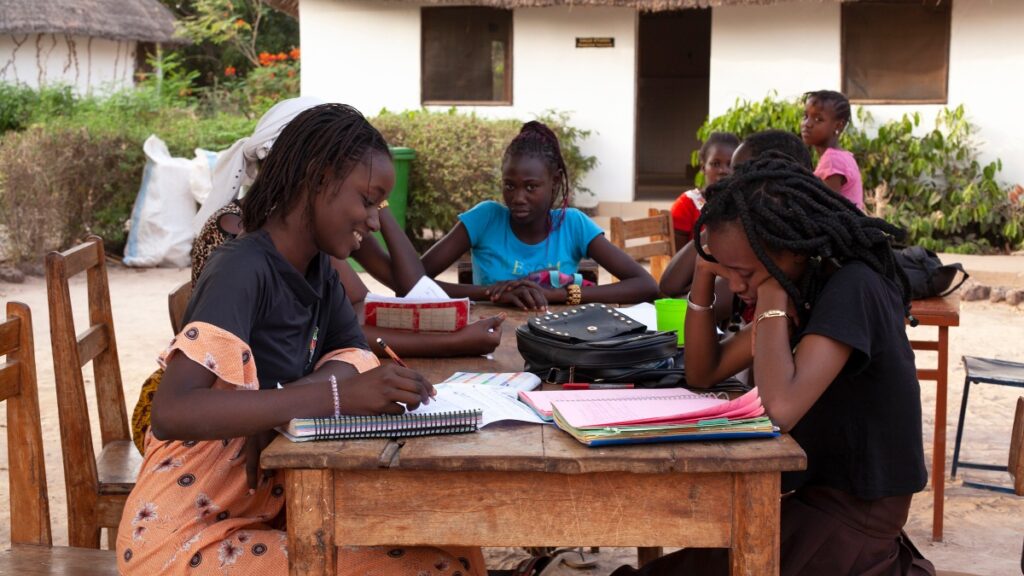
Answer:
(716, 163)
(826, 115)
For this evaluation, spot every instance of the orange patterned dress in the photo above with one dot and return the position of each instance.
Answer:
(191, 511)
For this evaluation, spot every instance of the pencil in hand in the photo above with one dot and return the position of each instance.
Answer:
(391, 353)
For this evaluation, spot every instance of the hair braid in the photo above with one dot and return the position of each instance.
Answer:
(840, 104)
(324, 141)
(783, 206)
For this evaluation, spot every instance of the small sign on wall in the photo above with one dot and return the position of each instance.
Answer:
(607, 42)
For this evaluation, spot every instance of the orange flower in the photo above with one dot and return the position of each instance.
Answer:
(240, 23)
(230, 71)
(291, 73)
(281, 56)
(295, 53)
(266, 59)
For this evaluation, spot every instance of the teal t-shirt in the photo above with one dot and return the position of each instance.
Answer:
(498, 255)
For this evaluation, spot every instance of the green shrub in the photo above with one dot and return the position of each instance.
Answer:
(932, 185)
(458, 160)
(79, 172)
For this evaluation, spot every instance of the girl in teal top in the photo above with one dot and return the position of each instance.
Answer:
(526, 251)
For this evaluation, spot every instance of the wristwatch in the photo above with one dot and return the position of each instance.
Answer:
(574, 294)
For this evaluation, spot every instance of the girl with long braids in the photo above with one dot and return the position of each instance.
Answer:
(268, 336)
(527, 251)
(831, 361)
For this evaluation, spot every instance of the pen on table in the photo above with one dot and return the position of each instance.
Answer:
(593, 386)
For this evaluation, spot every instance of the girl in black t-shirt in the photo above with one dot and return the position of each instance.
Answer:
(270, 336)
(831, 361)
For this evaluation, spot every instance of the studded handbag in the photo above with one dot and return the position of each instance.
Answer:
(596, 343)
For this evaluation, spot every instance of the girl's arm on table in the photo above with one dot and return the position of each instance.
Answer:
(186, 407)
(634, 285)
(480, 337)
(789, 384)
(446, 252)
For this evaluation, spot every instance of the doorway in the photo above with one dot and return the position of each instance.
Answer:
(673, 77)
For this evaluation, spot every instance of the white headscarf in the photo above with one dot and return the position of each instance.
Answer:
(237, 166)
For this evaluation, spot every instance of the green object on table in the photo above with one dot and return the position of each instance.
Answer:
(671, 313)
(398, 200)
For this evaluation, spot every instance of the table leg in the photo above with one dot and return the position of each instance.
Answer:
(311, 547)
(939, 444)
(755, 524)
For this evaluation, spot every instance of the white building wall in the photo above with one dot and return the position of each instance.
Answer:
(793, 48)
(87, 64)
(368, 54)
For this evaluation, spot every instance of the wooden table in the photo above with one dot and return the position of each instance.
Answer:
(514, 484)
(943, 313)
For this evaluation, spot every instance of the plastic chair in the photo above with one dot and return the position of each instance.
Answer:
(984, 371)
(32, 551)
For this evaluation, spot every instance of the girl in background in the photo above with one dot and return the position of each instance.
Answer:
(826, 115)
(716, 163)
(526, 251)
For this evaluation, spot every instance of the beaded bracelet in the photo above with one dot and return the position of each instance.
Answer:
(334, 392)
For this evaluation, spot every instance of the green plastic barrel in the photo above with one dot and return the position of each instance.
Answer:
(398, 200)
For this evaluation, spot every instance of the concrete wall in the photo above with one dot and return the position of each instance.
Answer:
(368, 54)
(792, 48)
(87, 64)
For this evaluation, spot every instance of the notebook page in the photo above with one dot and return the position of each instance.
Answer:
(496, 403)
(622, 412)
(541, 400)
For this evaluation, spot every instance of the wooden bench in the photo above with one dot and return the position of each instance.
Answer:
(97, 487)
(32, 552)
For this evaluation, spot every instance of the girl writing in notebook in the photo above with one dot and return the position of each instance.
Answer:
(526, 251)
(270, 336)
(831, 360)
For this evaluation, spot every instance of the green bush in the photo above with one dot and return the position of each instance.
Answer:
(79, 171)
(931, 185)
(458, 160)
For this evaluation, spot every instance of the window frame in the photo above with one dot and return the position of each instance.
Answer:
(506, 99)
(843, 49)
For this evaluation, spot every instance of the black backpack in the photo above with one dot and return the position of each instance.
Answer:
(927, 274)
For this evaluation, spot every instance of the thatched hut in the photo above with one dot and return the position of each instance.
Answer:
(643, 74)
(89, 44)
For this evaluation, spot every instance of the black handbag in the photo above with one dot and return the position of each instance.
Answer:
(595, 343)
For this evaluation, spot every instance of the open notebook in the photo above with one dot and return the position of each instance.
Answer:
(646, 417)
(458, 407)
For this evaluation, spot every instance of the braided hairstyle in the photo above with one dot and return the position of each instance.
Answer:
(324, 141)
(727, 139)
(838, 100)
(536, 140)
(784, 206)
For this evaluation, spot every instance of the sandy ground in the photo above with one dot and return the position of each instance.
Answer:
(984, 529)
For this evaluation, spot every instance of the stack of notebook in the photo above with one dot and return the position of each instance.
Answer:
(596, 418)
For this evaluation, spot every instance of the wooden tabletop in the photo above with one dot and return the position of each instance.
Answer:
(510, 446)
(937, 311)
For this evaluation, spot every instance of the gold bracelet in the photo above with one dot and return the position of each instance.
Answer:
(574, 294)
(762, 316)
(382, 205)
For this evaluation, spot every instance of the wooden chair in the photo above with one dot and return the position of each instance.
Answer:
(32, 552)
(587, 268)
(96, 487)
(659, 251)
(177, 302)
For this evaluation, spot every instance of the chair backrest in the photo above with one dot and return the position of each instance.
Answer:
(656, 229)
(177, 302)
(71, 352)
(1016, 463)
(30, 509)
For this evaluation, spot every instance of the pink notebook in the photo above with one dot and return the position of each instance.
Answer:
(639, 408)
(540, 400)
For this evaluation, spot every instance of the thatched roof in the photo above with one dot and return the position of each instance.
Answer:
(143, 20)
(292, 6)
